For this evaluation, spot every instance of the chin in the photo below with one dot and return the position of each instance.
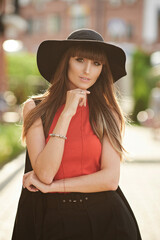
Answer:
(84, 87)
(80, 86)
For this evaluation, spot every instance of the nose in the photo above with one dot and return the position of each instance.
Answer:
(87, 67)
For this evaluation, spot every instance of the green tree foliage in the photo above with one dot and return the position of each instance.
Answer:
(24, 80)
(10, 146)
(23, 76)
(141, 81)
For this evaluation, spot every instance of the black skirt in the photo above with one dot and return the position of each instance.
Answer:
(74, 216)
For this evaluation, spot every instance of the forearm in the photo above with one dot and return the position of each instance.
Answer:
(103, 180)
(49, 160)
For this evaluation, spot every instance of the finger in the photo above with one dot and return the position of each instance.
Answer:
(85, 100)
(34, 188)
(82, 91)
(26, 183)
(81, 103)
(23, 181)
(24, 178)
(26, 175)
(31, 189)
(23, 184)
(81, 100)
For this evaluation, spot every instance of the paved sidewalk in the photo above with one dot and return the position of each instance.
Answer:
(140, 183)
(141, 145)
(8, 202)
(9, 170)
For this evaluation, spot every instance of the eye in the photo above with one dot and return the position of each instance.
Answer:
(79, 59)
(97, 63)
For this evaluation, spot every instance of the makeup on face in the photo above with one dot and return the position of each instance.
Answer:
(83, 72)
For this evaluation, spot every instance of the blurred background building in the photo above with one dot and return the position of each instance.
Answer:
(130, 21)
(120, 21)
(127, 23)
(133, 25)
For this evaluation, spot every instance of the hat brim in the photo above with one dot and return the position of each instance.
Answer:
(50, 52)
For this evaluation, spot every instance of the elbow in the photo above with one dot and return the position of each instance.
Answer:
(46, 180)
(110, 186)
(113, 186)
(111, 181)
(45, 177)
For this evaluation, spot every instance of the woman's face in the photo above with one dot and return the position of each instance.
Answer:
(83, 72)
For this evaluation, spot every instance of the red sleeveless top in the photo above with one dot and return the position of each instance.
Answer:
(82, 150)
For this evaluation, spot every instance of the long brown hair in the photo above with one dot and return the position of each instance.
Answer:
(105, 115)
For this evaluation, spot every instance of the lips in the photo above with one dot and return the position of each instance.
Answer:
(85, 79)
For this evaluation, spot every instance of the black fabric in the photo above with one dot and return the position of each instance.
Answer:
(47, 217)
(86, 35)
(34, 207)
(88, 216)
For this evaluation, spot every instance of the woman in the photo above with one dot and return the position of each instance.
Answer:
(73, 134)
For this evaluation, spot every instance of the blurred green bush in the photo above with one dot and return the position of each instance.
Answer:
(10, 142)
(142, 82)
(24, 78)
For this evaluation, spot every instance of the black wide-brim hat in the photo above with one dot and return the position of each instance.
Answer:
(50, 52)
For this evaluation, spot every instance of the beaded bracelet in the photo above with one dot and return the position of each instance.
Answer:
(57, 135)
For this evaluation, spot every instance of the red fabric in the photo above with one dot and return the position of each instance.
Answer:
(82, 151)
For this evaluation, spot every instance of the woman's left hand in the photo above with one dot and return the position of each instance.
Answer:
(33, 184)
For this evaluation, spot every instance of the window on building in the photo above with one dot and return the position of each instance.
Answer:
(79, 14)
(130, 1)
(36, 25)
(115, 3)
(39, 5)
(30, 26)
(130, 31)
(53, 24)
(24, 3)
(79, 22)
(70, 1)
(50, 0)
(118, 29)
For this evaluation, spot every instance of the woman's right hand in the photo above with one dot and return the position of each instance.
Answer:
(74, 98)
(33, 184)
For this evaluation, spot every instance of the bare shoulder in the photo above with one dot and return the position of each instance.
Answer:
(28, 106)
